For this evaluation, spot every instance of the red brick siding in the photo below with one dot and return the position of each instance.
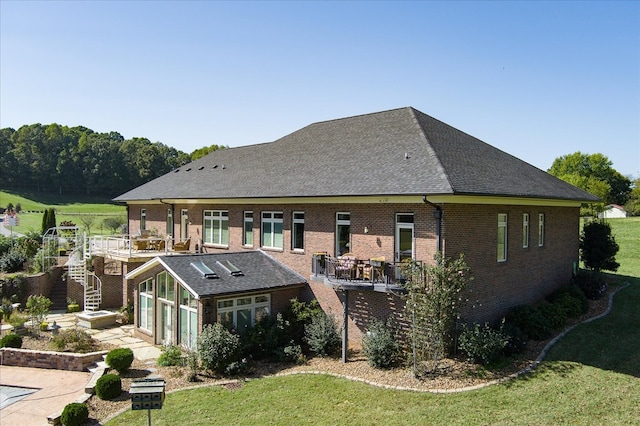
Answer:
(528, 274)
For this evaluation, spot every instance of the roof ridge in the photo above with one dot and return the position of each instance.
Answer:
(428, 147)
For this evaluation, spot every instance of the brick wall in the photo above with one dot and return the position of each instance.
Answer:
(47, 359)
(527, 275)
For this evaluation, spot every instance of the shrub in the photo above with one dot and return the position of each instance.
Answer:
(299, 314)
(482, 344)
(530, 320)
(516, 339)
(11, 340)
(592, 284)
(109, 386)
(266, 337)
(380, 345)
(171, 355)
(18, 319)
(571, 299)
(192, 363)
(38, 307)
(217, 347)
(74, 340)
(120, 359)
(12, 261)
(13, 288)
(322, 334)
(554, 313)
(74, 414)
(73, 307)
(291, 353)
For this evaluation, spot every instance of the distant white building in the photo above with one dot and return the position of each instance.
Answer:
(613, 211)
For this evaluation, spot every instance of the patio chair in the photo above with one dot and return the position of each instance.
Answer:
(182, 245)
(139, 244)
(346, 267)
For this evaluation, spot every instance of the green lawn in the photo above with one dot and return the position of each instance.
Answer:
(590, 377)
(67, 209)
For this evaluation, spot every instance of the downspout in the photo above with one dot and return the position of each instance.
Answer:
(437, 214)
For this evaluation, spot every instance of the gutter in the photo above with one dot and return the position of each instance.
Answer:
(437, 214)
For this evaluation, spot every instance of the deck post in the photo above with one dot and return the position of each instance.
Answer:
(345, 322)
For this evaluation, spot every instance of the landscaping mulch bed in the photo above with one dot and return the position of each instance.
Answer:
(453, 374)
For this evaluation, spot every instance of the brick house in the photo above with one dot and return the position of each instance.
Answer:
(384, 186)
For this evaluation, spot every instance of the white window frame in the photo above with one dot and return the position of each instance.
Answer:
(259, 303)
(502, 237)
(297, 230)
(540, 229)
(216, 220)
(143, 219)
(343, 219)
(247, 229)
(169, 222)
(191, 312)
(272, 219)
(525, 230)
(145, 305)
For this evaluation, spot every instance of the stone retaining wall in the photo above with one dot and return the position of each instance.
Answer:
(48, 359)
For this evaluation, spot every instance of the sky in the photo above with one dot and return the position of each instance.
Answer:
(538, 80)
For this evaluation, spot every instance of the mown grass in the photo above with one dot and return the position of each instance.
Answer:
(67, 209)
(590, 377)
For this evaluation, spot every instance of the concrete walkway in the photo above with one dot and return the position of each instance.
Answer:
(57, 388)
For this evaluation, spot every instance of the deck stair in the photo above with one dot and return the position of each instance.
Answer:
(77, 271)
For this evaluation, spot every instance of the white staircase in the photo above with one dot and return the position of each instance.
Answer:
(77, 271)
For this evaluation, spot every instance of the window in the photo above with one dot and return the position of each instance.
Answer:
(243, 312)
(216, 227)
(297, 234)
(143, 219)
(343, 233)
(404, 236)
(248, 229)
(165, 283)
(188, 319)
(502, 237)
(540, 229)
(145, 302)
(272, 230)
(525, 230)
(169, 222)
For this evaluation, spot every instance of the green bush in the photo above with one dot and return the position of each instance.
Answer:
(530, 320)
(12, 261)
(120, 359)
(291, 353)
(109, 386)
(322, 334)
(554, 313)
(516, 339)
(267, 337)
(74, 414)
(592, 284)
(171, 355)
(73, 307)
(482, 343)
(74, 340)
(571, 299)
(217, 347)
(380, 345)
(11, 340)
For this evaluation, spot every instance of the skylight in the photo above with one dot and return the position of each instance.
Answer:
(204, 270)
(233, 269)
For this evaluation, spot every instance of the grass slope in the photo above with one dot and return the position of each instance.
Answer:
(67, 208)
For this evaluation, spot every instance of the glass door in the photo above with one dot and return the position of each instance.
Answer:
(165, 325)
(404, 237)
(184, 224)
(343, 233)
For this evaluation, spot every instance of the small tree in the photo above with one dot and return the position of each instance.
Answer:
(38, 307)
(87, 220)
(433, 307)
(598, 247)
(217, 347)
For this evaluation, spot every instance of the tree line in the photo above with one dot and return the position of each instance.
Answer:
(77, 160)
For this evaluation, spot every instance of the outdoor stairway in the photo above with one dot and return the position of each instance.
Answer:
(58, 295)
(77, 271)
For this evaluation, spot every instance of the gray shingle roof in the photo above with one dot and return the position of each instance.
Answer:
(261, 272)
(396, 152)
